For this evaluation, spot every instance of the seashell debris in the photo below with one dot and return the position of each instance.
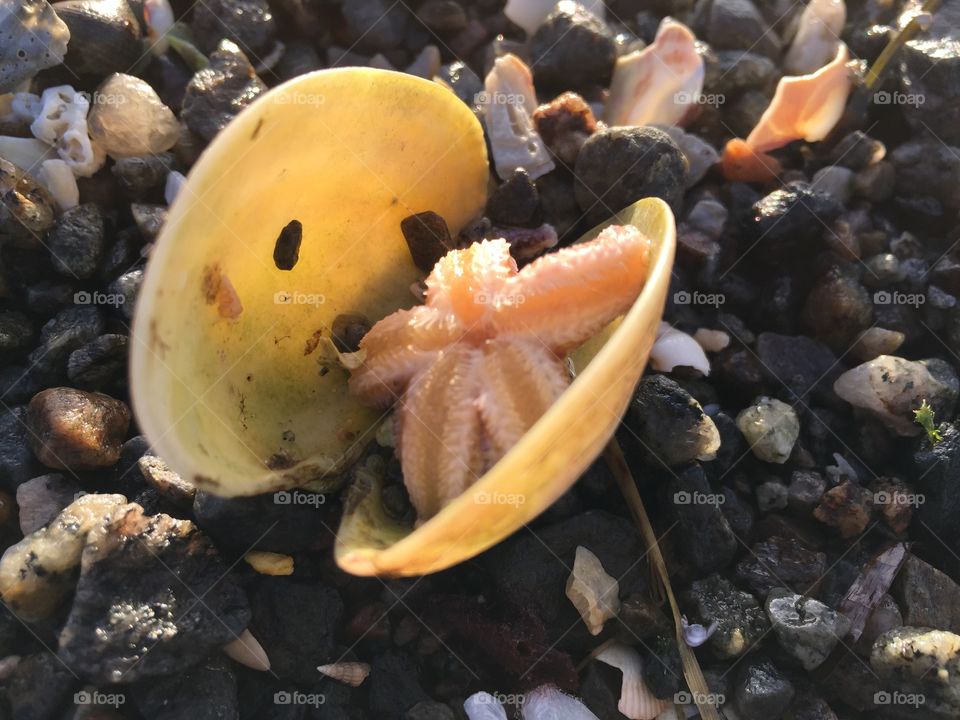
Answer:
(592, 591)
(62, 121)
(247, 650)
(34, 38)
(269, 563)
(817, 38)
(349, 673)
(637, 702)
(695, 634)
(58, 178)
(674, 348)
(507, 105)
(548, 703)
(804, 107)
(484, 706)
(659, 84)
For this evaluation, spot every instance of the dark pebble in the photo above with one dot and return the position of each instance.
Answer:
(286, 250)
(741, 621)
(781, 562)
(564, 124)
(140, 176)
(72, 429)
(16, 457)
(762, 691)
(217, 94)
(348, 330)
(296, 623)
(933, 471)
(857, 151)
(125, 290)
(737, 71)
(130, 620)
(572, 50)
(464, 82)
(930, 74)
(100, 364)
(207, 691)
(77, 241)
(789, 223)
(47, 298)
(515, 202)
(248, 23)
(394, 685)
(621, 165)
(16, 333)
(662, 668)
(559, 202)
(926, 168)
(430, 710)
(838, 308)
(40, 687)
(703, 537)
(445, 17)
(798, 362)
(260, 523)
(376, 25)
(735, 25)
(427, 238)
(59, 337)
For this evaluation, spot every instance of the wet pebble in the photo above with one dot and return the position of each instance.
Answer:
(797, 362)
(105, 37)
(787, 223)
(777, 561)
(671, 425)
(76, 430)
(443, 16)
(709, 217)
(464, 82)
(572, 49)
(762, 691)
(248, 23)
(930, 68)
(41, 499)
(704, 539)
(16, 333)
(807, 629)
(771, 428)
(620, 165)
(428, 238)
(735, 25)
(216, 94)
(99, 364)
(27, 209)
(741, 622)
(125, 289)
(928, 168)
(139, 175)
(207, 691)
(922, 662)
(835, 181)
(838, 308)
(926, 596)
(16, 457)
(737, 71)
(77, 242)
(377, 25)
(515, 202)
(805, 490)
(40, 686)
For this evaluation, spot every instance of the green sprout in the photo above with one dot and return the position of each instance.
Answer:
(923, 417)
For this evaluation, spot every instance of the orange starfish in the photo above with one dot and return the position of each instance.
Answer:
(479, 363)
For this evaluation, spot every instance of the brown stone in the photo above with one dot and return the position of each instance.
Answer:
(76, 430)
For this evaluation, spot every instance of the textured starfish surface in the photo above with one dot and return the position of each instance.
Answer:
(478, 364)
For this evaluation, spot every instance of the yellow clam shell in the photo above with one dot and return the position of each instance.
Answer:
(229, 380)
(546, 461)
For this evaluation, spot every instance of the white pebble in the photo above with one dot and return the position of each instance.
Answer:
(60, 181)
(173, 186)
(129, 119)
(711, 340)
(675, 348)
(484, 706)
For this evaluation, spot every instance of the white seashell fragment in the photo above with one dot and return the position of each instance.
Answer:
(817, 38)
(25, 153)
(695, 634)
(804, 107)
(175, 182)
(659, 84)
(530, 14)
(484, 706)
(25, 106)
(62, 121)
(159, 18)
(711, 340)
(247, 650)
(507, 105)
(636, 700)
(269, 563)
(592, 591)
(548, 703)
(675, 348)
(349, 673)
(59, 179)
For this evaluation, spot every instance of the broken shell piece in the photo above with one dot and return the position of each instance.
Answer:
(711, 340)
(817, 37)
(592, 591)
(530, 14)
(59, 179)
(805, 107)
(269, 563)
(34, 38)
(484, 706)
(25, 153)
(158, 17)
(675, 348)
(175, 181)
(62, 121)
(247, 650)
(696, 635)
(659, 84)
(548, 703)
(507, 104)
(636, 700)
(349, 673)
(741, 163)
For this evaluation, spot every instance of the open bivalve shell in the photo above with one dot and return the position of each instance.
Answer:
(228, 382)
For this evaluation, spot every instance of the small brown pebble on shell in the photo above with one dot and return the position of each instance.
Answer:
(427, 237)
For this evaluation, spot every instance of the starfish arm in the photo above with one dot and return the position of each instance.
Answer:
(595, 282)
(521, 378)
(440, 433)
(398, 347)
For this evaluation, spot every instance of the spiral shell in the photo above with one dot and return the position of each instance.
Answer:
(349, 673)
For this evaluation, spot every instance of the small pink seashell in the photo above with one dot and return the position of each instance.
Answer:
(805, 107)
(349, 673)
(636, 700)
(659, 84)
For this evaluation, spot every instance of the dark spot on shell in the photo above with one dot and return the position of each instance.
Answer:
(210, 283)
(286, 251)
(205, 480)
(256, 130)
(312, 342)
(280, 461)
(289, 436)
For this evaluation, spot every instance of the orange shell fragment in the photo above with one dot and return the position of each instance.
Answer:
(741, 163)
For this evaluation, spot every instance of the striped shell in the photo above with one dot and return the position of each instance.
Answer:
(349, 673)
